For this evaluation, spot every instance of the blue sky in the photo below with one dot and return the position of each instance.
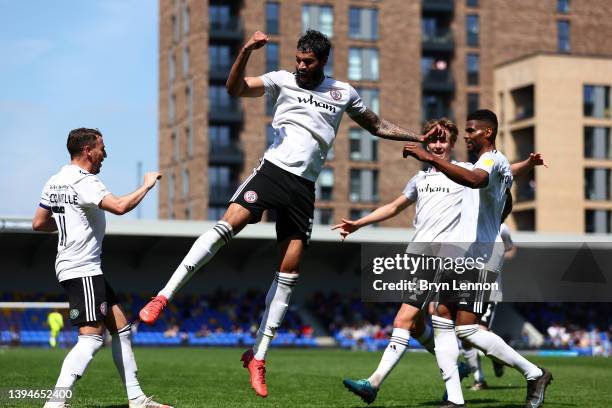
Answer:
(67, 64)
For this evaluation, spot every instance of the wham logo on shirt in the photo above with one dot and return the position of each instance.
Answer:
(316, 103)
(428, 188)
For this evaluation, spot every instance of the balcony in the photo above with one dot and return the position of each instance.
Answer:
(227, 29)
(219, 72)
(438, 41)
(231, 154)
(220, 194)
(438, 81)
(227, 112)
(439, 6)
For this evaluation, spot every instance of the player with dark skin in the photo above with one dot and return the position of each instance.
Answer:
(451, 318)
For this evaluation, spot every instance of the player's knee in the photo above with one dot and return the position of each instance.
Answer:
(404, 322)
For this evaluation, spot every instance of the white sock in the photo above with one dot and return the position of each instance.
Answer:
(392, 355)
(277, 302)
(473, 360)
(447, 353)
(427, 339)
(123, 356)
(77, 361)
(201, 252)
(493, 346)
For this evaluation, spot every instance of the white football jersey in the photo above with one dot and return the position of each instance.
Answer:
(438, 204)
(73, 196)
(482, 210)
(306, 121)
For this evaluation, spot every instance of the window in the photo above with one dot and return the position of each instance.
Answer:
(185, 19)
(371, 99)
(356, 214)
(597, 184)
(472, 27)
(363, 64)
(189, 101)
(272, 17)
(597, 143)
(473, 69)
(473, 102)
(362, 145)
(185, 61)
(188, 212)
(324, 186)
(270, 135)
(435, 106)
(363, 185)
(215, 213)
(323, 216)
(320, 18)
(563, 36)
(185, 179)
(219, 180)
(272, 57)
(171, 66)
(363, 23)
(172, 108)
(175, 146)
(171, 182)
(596, 101)
(328, 70)
(219, 137)
(598, 221)
(219, 17)
(189, 140)
(218, 98)
(219, 60)
(176, 34)
(563, 6)
(471, 3)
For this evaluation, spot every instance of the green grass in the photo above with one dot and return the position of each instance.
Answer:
(196, 377)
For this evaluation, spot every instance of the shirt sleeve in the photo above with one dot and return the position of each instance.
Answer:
(45, 200)
(411, 192)
(273, 82)
(91, 191)
(486, 162)
(355, 105)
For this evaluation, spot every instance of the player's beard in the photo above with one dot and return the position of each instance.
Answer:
(311, 81)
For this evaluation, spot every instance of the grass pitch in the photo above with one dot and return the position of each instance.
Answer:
(205, 377)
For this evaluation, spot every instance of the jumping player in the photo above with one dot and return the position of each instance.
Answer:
(309, 107)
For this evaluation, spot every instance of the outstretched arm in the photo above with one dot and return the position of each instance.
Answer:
(239, 85)
(382, 128)
(524, 167)
(380, 214)
(476, 178)
(126, 203)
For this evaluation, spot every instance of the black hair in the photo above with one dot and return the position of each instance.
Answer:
(79, 138)
(315, 41)
(487, 116)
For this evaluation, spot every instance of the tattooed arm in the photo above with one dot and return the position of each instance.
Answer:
(385, 129)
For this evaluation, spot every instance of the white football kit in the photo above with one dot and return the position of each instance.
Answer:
(438, 204)
(73, 196)
(482, 210)
(306, 121)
